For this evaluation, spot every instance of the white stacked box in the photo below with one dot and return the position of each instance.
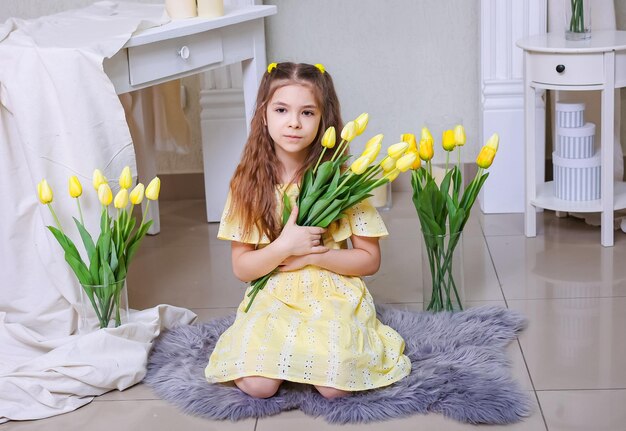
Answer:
(576, 166)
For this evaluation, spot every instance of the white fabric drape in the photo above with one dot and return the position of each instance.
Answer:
(60, 116)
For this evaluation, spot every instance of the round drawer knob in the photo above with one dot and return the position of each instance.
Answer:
(184, 53)
(560, 68)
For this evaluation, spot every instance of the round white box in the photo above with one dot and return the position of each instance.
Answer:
(570, 114)
(575, 142)
(576, 179)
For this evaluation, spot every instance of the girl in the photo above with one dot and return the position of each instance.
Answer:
(315, 321)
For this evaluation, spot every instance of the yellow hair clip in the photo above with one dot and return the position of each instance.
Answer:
(320, 67)
(271, 67)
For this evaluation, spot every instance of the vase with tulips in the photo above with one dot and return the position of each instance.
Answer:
(443, 208)
(328, 189)
(102, 274)
(577, 19)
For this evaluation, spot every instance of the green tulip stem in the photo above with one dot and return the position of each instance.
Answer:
(319, 160)
(56, 219)
(80, 211)
(340, 150)
(143, 216)
(459, 159)
(447, 160)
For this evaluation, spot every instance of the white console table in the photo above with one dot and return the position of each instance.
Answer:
(553, 63)
(185, 47)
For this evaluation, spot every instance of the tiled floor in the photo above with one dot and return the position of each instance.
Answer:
(572, 357)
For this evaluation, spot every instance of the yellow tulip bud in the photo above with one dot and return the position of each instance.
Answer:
(488, 152)
(447, 140)
(375, 141)
(426, 150)
(152, 191)
(485, 157)
(349, 131)
(360, 165)
(493, 141)
(410, 139)
(329, 138)
(396, 151)
(388, 164)
(121, 199)
(126, 179)
(361, 122)
(418, 162)
(459, 136)
(76, 189)
(392, 175)
(372, 152)
(44, 191)
(136, 196)
(426, 135)
(405, 162)
(105, 195)
(98, 179)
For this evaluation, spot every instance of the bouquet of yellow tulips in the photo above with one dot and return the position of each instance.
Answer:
(103, 274)
(327, 190)
(443, 210)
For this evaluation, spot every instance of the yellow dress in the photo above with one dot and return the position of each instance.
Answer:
(311, 325)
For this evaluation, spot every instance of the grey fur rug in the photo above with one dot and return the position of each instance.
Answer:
(459, 368)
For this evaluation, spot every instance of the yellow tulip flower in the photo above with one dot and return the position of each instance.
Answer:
(447, 140)
(405, 162)
(459, 135)
(329, 138)
(361, 122)
(126, 179)
(98, 179)
(121, 199)
(44, 191)
(76, 189)
(426, 135)
(105, 195)
(136, 196)
(396, 151)
(426, 150)
(372, 152)
(152, 191)
(360, 165)
(392, 175)
(410, 139)
(418, 162)
(488, 152)
(375, 141)
(388, 164)
(349, 131)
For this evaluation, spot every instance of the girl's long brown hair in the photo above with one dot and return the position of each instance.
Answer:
(253, 186)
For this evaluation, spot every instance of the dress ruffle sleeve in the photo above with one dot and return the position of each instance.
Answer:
(231, 229)
(361, 220)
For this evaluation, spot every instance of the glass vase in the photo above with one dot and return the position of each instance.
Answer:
(577, 19)
(442, 272)
(103, 306)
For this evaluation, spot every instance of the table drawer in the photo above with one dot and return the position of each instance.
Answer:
(566, 69)
(159, 60)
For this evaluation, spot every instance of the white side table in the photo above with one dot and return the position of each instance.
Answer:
(553, 63)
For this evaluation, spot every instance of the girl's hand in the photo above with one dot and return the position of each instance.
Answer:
(300, 240)
(294, 262)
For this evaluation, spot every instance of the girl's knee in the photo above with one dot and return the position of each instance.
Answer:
(330, 393)
(258, 387)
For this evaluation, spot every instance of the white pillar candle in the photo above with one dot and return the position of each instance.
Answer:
(178, 9)
(210, 8)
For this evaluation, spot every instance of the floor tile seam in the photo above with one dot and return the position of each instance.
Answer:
(532, 383)
(495, 270)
